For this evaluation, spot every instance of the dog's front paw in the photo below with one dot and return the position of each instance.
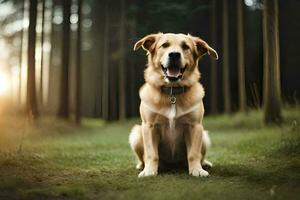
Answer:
(147, 172)
(139, 166)
(199, 172)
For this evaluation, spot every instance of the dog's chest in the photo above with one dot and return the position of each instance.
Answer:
(171, 114)
(172, 148)
(172, 121)
(171, 133)
(172, 137)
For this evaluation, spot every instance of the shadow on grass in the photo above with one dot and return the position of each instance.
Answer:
(278, 175)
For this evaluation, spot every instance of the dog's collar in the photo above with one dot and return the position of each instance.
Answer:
(173, 91)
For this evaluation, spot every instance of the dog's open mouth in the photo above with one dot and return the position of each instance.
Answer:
(173, 72)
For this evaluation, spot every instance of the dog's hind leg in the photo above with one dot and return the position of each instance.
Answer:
(205, 145)
(137, 145)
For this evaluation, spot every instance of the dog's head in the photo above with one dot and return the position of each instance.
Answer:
(174, 56)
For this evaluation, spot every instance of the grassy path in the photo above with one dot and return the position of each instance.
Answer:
(53, 160)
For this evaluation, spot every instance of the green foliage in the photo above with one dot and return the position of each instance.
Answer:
(62, 161)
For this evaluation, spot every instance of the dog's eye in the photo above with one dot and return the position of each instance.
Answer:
(165, 45)
(185, 46)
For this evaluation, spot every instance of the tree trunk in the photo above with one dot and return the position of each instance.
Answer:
(226, 83)
(21, 53)
(64, 87)
(78, 68)
(32, 110)
(42, 52)
(131, 92)
(213, 66)
(52, 32)
(271, 92)
(105, 96)
(97, 32)
(241, 57)
(113, 71)
(122, 65)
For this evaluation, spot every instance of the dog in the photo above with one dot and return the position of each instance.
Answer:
(171, 107)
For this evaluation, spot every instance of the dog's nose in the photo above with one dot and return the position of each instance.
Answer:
(174, 56)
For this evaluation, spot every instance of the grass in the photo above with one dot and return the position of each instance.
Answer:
(55, 160)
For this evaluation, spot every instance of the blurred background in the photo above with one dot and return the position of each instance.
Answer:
(74, 58)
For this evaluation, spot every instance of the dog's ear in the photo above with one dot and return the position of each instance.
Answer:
(147, 42)
(203, 48)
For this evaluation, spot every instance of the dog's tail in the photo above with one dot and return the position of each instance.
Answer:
(205, 146)
(135, 136)
(206, 139)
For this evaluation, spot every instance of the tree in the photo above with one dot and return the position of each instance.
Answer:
(64, 87)
(97, 33)
(132, 98)
(271, 90)
(21, 52)
(122, 64)
(52, 91)
(51, 34)
(105, 80)
(241, 57)
(78, 67)
(226, 83)
(42, 51)
(31, 86)
(113, 18)
(213, 66)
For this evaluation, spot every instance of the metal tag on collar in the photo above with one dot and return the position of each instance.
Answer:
(173, 98)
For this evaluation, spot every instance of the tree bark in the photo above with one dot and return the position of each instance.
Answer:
(105, 92)
(21, 54)
(213, 66)
(241, 57)
(131, 85)
(226, 83)
(52, 32)
(78, 67)
(122, 65)
(32, 110)
(64, 87)
(42, 52)
(271, 90)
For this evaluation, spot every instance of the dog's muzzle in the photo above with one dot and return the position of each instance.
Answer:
(173, 72)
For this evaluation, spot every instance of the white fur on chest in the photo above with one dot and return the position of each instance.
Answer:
(172, 112)
(171, 116)
(171, 132)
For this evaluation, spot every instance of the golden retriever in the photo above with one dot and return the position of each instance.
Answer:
(171, 106)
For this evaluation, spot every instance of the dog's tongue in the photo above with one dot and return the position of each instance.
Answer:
(173, 72)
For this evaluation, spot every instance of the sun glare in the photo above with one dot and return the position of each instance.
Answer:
(4, 84)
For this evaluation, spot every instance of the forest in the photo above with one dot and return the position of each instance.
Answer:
(84, 59)
(69, 94)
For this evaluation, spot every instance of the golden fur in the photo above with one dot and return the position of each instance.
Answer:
(171, 133)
